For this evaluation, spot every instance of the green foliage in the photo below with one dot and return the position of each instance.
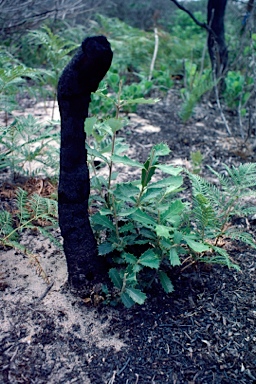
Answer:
(187, 40)
(136, 57)
(31, 212)
(144, 226)
(12, 80)
(197, 83)
(238, 89)
(214, 206)
(56, 50)
(184, 27)
(29, 147)
(104, 100)
(196, 159)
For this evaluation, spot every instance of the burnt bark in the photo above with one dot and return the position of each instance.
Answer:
(216, 38)
(80, 77)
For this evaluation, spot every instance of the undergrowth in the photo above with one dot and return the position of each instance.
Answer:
(144, 225)
(34, 213)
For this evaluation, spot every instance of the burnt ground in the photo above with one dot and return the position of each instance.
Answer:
(203, 333)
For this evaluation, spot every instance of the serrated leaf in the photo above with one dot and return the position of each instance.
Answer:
(147, 174)
(177, 237)
(176, 208)
(196, 246)
(150, 194)
(103, 221)
(126, 212)
(161, 149)
(89, 124)
(162, 231)
(165, 282)
(136, 295)
(149, 259)
(126, 160)
(115, 278)
(95, 153)
(143, 218)
(170, 169)
(105, 248)
(171, 182)
(114, 124)
(129, 258)
(174, 257)
(126, 192)
(129, 227)
(127, 300)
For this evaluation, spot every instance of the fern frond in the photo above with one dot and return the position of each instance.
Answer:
(203, 187)
(204, 215)
(244, 237)
(43, 208)
(224, 181)
(243, 176)
(222, 257)
(5, 223)
(21, 201)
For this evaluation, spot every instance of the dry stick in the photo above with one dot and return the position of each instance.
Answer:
(219, 105)
(240, 118)
(37, 301)
(123, 368)
(112, 379)
(152, 65)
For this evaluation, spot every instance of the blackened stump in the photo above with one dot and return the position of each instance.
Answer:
(80, 77)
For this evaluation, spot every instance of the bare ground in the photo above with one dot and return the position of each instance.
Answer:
(203, 333)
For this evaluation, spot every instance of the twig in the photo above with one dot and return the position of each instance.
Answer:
(219, 105)
(240, 119)
(152, 65)
(112, 379)
(202, 25)
(44, 294)
(125, 365)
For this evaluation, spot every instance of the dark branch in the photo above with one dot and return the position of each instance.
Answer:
(202, 25)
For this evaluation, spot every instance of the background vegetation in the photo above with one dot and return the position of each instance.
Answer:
(30, 64)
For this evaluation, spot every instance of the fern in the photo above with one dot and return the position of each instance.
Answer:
(43, 208)
(21, 201)
(244, 237)
(220, 256)
(213, 206)
(202, 187)
(243, 176)
(31, 212)
(204, 215)
(5, 223)
(27, 142)
(197, 85)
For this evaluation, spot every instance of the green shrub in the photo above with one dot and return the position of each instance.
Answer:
(144, 226)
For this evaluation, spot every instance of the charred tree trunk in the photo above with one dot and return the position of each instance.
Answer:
(80, 77)
(216, 39)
